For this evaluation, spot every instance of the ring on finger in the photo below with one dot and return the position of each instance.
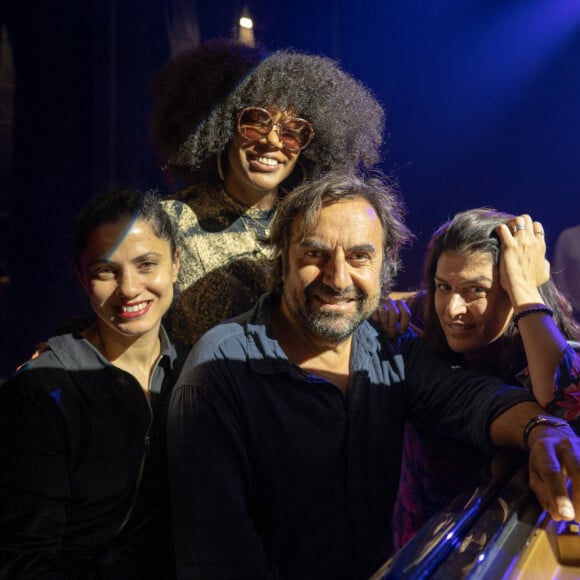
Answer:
(520, 227)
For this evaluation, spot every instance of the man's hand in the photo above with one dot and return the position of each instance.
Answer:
(554, 457)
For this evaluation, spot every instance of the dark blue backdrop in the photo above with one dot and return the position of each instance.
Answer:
(482, 99)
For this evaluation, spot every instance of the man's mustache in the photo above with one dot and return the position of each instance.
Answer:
(350, 293)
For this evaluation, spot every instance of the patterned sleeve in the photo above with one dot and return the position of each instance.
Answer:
(566, 401)
(184, 221)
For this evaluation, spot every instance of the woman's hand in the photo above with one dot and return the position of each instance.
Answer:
(523, 266)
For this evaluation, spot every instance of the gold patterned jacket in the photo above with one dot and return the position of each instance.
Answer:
(225, 259)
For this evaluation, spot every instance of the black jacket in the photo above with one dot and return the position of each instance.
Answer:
(83, 479)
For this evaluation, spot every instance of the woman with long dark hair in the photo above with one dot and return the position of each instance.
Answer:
(487, 304)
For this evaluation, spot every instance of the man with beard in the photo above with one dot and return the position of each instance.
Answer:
(286, 425)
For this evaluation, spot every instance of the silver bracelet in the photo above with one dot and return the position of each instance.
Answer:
(546, 421)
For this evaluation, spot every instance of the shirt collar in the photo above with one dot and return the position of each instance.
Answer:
(167, 348)
(265, 353)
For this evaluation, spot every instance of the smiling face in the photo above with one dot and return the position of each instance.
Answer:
(128, 274)
(332, 274)
(258, 167)
(471, 305)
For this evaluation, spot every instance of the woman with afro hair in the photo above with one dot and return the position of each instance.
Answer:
(241, 127)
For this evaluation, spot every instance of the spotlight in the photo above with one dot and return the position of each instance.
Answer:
(246, 22)
(246, 29)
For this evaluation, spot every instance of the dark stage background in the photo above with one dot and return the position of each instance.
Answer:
(483, 100)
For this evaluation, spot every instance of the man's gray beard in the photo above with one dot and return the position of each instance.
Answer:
(317, 323)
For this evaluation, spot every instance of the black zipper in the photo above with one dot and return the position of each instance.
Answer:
(146, 444)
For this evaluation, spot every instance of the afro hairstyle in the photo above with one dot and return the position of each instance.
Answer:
(348, 120)
(192, 84)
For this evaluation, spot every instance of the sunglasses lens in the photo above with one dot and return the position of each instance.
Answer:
(254, 123)
(296, 134)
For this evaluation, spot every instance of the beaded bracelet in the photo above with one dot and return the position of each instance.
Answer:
(532, 310)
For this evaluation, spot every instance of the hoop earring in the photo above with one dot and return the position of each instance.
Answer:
(286, 190)
(220, 169)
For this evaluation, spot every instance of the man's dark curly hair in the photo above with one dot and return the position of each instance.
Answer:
(306, 202)
(348, 121)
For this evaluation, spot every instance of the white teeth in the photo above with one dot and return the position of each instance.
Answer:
(135, 308)
(334, 300)
(267, 161)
